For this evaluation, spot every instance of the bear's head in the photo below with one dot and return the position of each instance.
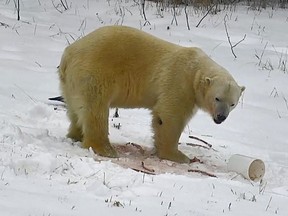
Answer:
(222, 96)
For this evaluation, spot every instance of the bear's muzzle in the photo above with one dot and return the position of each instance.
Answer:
(219, 118)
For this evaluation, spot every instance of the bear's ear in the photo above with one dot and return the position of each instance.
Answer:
(242, 88)
(208, 81)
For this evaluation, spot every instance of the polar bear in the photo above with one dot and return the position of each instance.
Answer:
(117, 66)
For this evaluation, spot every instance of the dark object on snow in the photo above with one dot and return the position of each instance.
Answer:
(59, 98)
(116, 114)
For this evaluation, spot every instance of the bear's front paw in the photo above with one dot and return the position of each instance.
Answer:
(103, 150)
(107, 151)
(176, 156)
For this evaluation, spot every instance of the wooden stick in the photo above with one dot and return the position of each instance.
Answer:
(202, 172)
(143, 171)
(146, 168)
(197, 145)
(4, 24)
(203, 141)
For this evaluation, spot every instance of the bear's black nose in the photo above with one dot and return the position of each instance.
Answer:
(219, 118)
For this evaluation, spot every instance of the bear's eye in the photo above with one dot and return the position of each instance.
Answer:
(217, 99)
(232, 105)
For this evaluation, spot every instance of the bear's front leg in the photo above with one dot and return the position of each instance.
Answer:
(95, 130)
(167, 130)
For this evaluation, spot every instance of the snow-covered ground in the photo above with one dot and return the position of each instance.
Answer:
(44, 173)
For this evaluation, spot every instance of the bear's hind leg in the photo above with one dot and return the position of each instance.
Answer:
(75, 131)
(167, 130)
(95, 130)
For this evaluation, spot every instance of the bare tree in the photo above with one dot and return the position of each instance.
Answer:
(229, 40)
(174, 14)
(17, 6)
(206, 14)
(187, 16)
(144, 14)
(18, 9)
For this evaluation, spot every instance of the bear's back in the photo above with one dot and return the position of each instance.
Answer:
(120, 45)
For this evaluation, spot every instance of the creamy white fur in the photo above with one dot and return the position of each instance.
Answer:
(118, 66)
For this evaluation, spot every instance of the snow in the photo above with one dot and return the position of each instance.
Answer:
(44, 173)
